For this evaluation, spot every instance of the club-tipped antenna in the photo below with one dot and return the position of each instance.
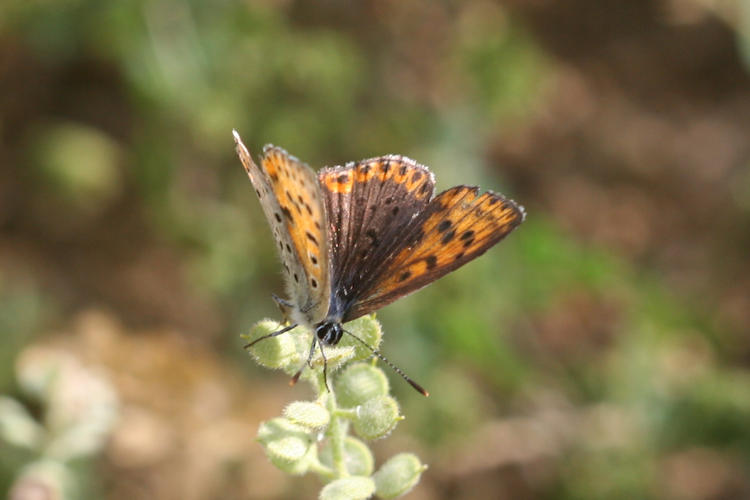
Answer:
(395, 368)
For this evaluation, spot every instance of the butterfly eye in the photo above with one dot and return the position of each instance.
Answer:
(329, 333)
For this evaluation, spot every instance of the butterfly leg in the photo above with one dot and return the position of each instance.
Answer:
(296, 376)
(285, 306)
(325, 367)
(274, 334)
(312, 351)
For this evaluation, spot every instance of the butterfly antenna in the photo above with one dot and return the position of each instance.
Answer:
(395, 368)
(274, 334)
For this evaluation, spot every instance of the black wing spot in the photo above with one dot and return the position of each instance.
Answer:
(296, 278)
(467, 235)
(373, 237)
(459, 256)
(308, 208)
(418, 237)
(314, 283)
(288, 248)
(405, 276)
(431, 262)
(317, 225)
(402, 170)
(278, 217)
(443, 226)
(312, 238)
(287, 214)
(448, 237)
(365, 169)
(425, 187)
(342, 179)
(468, 243)
(257, 191)
(493, 201)
(386, 167)
(314, 259)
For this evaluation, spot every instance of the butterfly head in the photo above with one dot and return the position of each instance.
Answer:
(329, 332)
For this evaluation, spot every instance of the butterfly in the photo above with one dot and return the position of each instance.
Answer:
(355, 238)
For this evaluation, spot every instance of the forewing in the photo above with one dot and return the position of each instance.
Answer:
(368, 205)
(290, 196)
(457, 226)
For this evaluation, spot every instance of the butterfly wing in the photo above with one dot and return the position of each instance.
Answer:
(368, 205)
(456, 227)
(291, 199)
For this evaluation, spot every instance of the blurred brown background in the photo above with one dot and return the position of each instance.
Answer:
(601, 351)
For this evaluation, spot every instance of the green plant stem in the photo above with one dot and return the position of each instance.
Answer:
(336, 434)
(349, 413)
(322, 470)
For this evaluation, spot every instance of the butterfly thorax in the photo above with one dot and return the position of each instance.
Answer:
(329, 332)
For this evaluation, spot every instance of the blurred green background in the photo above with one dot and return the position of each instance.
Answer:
(601, 351)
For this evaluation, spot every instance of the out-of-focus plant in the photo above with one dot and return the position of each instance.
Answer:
(62, 415)
(313, 436)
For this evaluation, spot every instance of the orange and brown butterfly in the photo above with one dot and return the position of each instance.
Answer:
(353, 239)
